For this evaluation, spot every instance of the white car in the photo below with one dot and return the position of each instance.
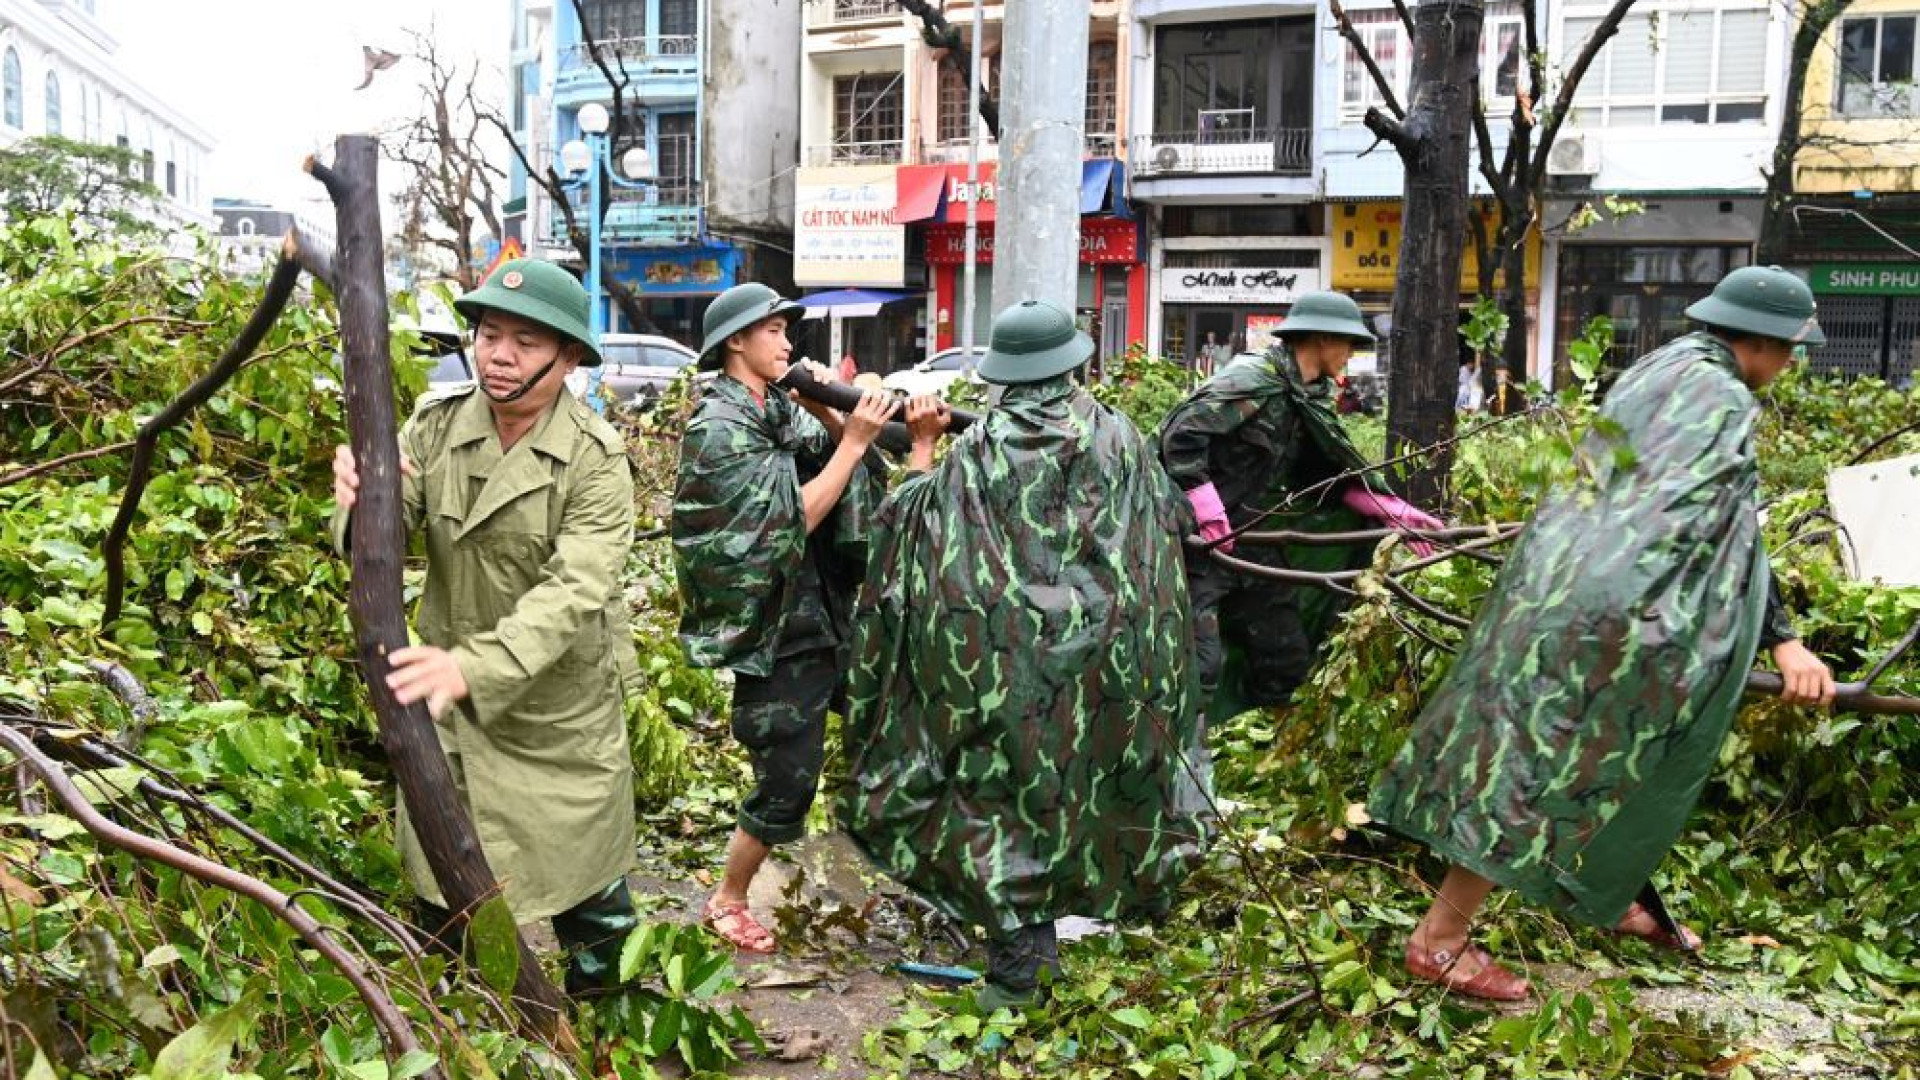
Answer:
(939, 371)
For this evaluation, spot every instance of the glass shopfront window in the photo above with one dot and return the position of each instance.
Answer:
(1644, 289)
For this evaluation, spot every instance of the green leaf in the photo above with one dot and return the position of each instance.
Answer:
(160, 956)
(41, 1069)
(666, 1028)
(1133, 1016)
(413, 1063)
(496, 944)
(204, 1049)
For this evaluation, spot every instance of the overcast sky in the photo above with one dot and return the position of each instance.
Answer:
(273, 80)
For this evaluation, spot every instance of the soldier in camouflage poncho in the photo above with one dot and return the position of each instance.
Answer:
(767, 542)
(1021, 718)
(1561, 755)
(1260, 435)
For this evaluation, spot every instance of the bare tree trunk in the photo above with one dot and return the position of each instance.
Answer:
(1433, 146)
(378, 544)
(1816, 17)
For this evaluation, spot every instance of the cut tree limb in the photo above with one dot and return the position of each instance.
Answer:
(378, 546)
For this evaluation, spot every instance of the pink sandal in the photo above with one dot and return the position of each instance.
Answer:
(732, 921)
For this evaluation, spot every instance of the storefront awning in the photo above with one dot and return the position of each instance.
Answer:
(938, 192)
(920, 189)
(852, 303)
(1102, 181)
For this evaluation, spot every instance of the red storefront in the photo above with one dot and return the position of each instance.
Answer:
(1112, 292)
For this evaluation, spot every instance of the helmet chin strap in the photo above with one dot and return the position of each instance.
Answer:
(516, 395)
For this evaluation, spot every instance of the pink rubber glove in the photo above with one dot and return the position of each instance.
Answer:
(1212, 515)
(1393, 510)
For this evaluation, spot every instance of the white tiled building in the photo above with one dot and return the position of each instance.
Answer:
(58, 76)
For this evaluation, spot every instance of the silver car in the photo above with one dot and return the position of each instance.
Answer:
(636, 367)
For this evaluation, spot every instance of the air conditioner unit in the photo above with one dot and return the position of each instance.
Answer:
(1170, 159)
(1574, 155)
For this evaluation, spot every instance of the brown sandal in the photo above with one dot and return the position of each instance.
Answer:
(732, 921)
(1653, 933)
(1491, 983)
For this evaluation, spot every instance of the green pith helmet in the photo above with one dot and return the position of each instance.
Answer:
(1764, 300)
(735, 310)
(1326, 313)
(538, 292)
(1031, 341)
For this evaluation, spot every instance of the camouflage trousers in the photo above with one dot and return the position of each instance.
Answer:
(781, 718)
(591, 934)
(1262, 618)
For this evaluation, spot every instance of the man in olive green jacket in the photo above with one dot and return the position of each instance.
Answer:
(526, 498)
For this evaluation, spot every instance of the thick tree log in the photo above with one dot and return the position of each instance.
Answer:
(1433, 145)
(378, 546)
(893, 438)
(286, 273)
(393, 1025)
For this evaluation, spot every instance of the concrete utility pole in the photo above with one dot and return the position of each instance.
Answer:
(1043, 108)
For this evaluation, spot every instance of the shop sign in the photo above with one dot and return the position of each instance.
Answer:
(844, 228)
(1866, 279)
(1102, 240)
(1265, 285)
(1366, 247)
(684, 272)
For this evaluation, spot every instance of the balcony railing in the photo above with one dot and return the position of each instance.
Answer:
(1274, 151)
(638, 50)
(954, 151)
(662, 213)
(886, 152)
(851, 10)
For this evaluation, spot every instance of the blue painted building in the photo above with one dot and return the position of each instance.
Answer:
(655, 235)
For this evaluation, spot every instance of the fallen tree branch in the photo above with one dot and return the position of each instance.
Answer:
(30, 471)
(279, 290)
(128, 690)
(1848, 696)
(395, 1031)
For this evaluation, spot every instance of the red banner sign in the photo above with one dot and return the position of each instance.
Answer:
(1102, 240)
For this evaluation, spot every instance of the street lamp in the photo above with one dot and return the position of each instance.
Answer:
(593, 156)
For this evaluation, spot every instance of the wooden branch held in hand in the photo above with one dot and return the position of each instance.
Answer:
(1848, 696)
(378, 546)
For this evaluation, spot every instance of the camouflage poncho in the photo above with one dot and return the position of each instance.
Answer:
(1021, 729)
(1265, 437)
(1561, 755)
(753, 583)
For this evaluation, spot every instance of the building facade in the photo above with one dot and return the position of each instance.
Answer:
(882, 192)
(58, 77)
(705, 217)
(251, 232)
(1855, 223)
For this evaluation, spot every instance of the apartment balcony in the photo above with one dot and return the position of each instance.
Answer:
(841, 11)
(888, 152)
(660, 68)
(954, 151)
(665, 214)
(1277, 151)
